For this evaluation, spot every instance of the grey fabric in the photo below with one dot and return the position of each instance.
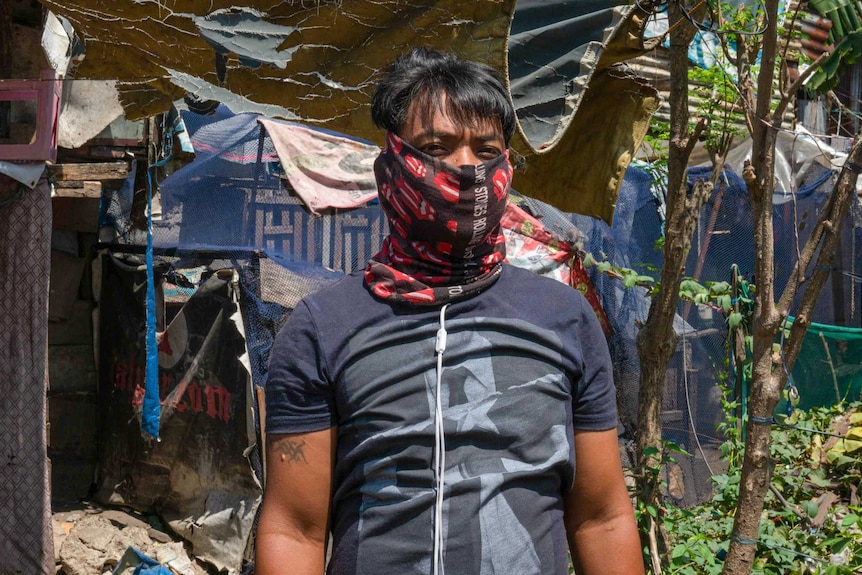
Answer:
(520, 372)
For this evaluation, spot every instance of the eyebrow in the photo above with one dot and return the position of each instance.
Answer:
(487, 137)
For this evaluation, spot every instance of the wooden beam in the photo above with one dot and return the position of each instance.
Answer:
(91, 171)
(77, 190)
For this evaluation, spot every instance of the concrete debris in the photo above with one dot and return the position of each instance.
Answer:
(92, 541)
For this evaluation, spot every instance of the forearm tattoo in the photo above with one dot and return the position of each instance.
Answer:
(290, 450)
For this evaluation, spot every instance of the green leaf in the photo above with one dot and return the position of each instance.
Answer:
(603, 267)
(849, 519)
(851, 445)
(837, 544)
(810, 508)
(839, 460)
(630, 280)
(691, 287)
(734, 320)
(818, 479)
(589, 261)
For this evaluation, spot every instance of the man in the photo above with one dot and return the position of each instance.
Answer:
(440, 411)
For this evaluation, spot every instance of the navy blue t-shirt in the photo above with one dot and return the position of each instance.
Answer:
(526, 363)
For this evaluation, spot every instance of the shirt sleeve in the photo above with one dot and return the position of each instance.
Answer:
(594, 405)
(299, 396)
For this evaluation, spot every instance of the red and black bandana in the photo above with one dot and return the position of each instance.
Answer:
(445, 240)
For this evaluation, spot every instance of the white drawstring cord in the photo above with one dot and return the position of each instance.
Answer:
(439, 447)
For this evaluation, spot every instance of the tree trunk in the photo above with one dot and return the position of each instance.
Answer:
(656, 340)
(768, 368)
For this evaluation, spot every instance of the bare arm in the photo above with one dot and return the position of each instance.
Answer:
(291, 534)
(600, 523)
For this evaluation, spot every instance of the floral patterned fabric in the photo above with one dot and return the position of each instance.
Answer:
(529, 245)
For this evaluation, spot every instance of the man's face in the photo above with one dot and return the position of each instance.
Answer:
(436, 134)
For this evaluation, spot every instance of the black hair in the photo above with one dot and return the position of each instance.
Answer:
(474, 91)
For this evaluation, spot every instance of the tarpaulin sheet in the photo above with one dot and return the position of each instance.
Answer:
(325, 169)
(583, 115)
(26, 536)
(197, 476)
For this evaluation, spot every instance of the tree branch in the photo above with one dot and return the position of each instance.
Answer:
(842, 194)
(790, 22)
(787, 96)
(826, 223)
(694, 137)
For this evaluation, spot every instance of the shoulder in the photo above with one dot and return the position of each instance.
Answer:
(345, 296)
(349, 287)
(322, 307)
(529, 289)
(334, 314)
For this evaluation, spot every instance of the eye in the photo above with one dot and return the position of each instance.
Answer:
(434, 149)
(489, 152)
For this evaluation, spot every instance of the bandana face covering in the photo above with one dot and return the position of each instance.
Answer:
(444, 241)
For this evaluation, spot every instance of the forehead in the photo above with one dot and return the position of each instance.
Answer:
(439, 112)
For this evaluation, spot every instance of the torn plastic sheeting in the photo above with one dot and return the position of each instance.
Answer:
(245, 32)
(597, 152)
(339, 47)
(134, 562)
(553, 51)
(339, 44)
(250, 399)
(57, 44)
(237, 103)
(326, 170)
(219, 533)
(794, 155)
(88, 107)
(27, 173)
(204, 431)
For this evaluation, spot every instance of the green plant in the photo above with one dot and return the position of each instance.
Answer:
(719, 105)
(810, 524)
